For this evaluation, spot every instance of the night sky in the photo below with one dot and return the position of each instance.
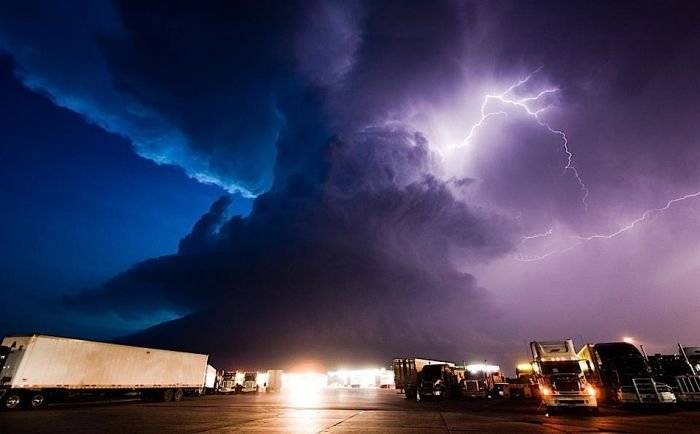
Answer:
(278, 182)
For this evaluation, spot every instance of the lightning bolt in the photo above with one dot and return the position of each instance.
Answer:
(522, 104)
(525, 104)
(580, 239)
(643, 217)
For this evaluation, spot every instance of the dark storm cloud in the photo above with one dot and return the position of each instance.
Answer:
(366, 253)
(208, 86)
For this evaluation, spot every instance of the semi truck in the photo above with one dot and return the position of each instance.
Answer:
(622, 375)
(679, 372)
(230, 382)
(250, 383)
(480, 379)
(406, 373)
(561, 380)
(38, 368)
(439, 381)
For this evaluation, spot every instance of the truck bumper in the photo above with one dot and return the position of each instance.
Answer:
(648, 399)
(570, 401)
(688, 397)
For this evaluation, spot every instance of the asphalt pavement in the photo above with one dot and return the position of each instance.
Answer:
(336, 411)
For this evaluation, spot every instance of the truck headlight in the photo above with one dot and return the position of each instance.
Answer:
(546, 391)
(591, 390)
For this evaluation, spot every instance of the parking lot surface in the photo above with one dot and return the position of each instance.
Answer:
(335, 411)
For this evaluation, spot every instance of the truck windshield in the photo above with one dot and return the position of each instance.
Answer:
(431, 372)
(553, 368)
(250, 377)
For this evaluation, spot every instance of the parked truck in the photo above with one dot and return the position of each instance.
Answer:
(250, 383)
(622, 375)
(38, 368)
(480, 380)
(559, 375)
(679, 372)
(439, 381)
(406, 373)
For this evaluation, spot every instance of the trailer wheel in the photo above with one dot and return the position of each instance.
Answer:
(178, 395)
(37, 400)
(13, 401)
(167, 395)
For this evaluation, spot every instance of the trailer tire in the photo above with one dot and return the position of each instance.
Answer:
(166, 395)
(13, 401)
(178, 395)
(36, 400)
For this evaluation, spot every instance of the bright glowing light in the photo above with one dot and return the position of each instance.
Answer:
(372, 377)
(524, 104)
(261, 379)
(546, 391)
(303, 389)
(591, 390)
(524, 367)
(628, 340)
(481, 367)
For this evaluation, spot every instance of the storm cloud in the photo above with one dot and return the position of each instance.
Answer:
(375, 218)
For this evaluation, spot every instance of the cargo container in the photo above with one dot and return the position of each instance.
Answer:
(211, 380)
(38, 368)
(274, 381)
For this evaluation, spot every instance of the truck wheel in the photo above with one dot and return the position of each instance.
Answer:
(178, 395)
(37, 400)
(167, 395)
(13, 401)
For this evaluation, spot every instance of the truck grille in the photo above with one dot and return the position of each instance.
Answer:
(689, 384)
(566, 384)
(646, 389)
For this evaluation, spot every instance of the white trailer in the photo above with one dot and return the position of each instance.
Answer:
(274, 380)
(36, 368)
(210, 380)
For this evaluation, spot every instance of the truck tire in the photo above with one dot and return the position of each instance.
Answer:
(178, 395)
(36, 400)
(167, 395)
(14, 400)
